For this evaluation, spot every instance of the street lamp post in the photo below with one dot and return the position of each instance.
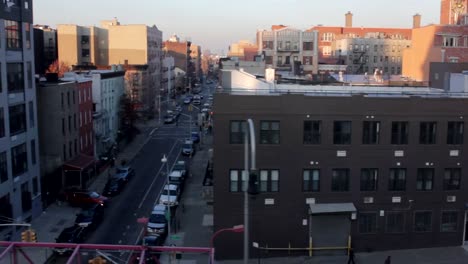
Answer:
(235, 229)
(248, 133)
(164, 161)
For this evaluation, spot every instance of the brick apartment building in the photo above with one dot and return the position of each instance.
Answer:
(338, 163)
(445, 42)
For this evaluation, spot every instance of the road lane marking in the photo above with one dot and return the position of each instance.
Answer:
(155, 178)
(152, 131)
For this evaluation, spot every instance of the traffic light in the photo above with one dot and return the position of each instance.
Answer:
(25, 236)
(97, 260)
(253, 183)
(32, 236)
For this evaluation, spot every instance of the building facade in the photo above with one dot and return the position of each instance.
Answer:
(339, 164)
(366, 55)
(243, 50)
(58, 132)
(181, 52)
(45, 47)
(20, 195)
(168, 77)
(287, 48)
(195, 55)
(327, 34)
(108, 88)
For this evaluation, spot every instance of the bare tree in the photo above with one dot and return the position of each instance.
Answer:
(59, 67)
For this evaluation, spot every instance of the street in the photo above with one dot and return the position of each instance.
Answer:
(120, 224)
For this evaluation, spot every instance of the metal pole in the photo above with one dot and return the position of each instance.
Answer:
(159, 114)
(246, 197)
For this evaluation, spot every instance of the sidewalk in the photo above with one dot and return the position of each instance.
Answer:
(60, 215)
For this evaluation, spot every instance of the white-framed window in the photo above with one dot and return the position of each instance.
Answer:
(328, 36)
(450, 41)
(453, 59)
(326, 50)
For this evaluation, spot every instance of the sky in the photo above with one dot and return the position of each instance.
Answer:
(215, 24)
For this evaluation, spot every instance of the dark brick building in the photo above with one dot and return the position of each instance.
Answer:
(384, 167)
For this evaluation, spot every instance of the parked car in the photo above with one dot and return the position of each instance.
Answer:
(169, 119)
(187, 100)
(125, 173)
(170, 195)
(206, 105)
(195, 137)
(151, 257)
(180, 166)
(74, 234)
(176, 178)
(157, 224)
(187, 148)
(83, 198)
(90, 216)
(113, 187)
(196, 102)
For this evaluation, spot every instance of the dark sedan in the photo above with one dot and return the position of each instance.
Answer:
(90, 216)
(113, 187)
(74, 234)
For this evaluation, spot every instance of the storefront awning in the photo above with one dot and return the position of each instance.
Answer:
(332, 208)
(81, 162)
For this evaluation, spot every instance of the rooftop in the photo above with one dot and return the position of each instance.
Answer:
(238, 82)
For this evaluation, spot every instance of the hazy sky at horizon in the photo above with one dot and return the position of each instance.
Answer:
(214, 24)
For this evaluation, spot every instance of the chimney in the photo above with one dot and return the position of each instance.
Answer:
(349, 19)
(417, 21)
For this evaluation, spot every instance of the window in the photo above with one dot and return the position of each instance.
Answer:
(395, 222)
(70, 153)
(375, 59)
(455, 133)
(84, 40)
(33, 151)
(269, 180)
(267, 44)
(26, 202)
(328, 37)
(450, 41)
(311, 180)
(76, 146)
(35, 184)
(31, 114)
(449, 221)
(397, 180)
(2, 123)
(422, 221)
(81, 119)
(326, 50)
(63, 126)
(342, 132)
(62, 100)
(64, 152)
(308, 46)
(399, 133)
(340, 180)
(15, 78)
(279, 44)
(269, 132)
(452, 178)
(68, 98)
(367, 223)
(425, 179)
(13, 34)
(369, 179)
(74, 121)
(370, 133)
(84, 52)
(69, 124)
(17, 119)
(73, 98)
(19, 160)
(376, 48)
(312, 132)
(27, 30)
(29, 74)
(427, 132)
(307, 60)
(237, 130)
(3, 167)
(236, 184)
(280, 60)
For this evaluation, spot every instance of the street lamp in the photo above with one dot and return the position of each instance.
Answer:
(234, 229)
(251, 180)
(164, 161)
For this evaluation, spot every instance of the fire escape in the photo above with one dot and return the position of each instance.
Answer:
(359, 59)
